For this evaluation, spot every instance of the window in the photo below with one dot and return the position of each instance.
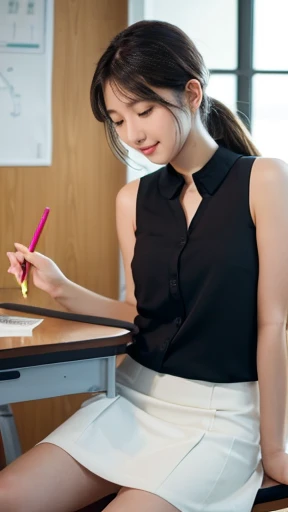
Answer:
(246, 53)
(269, 106)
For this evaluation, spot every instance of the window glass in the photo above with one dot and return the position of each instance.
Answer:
(211, 24)
(223, 88)
(271, 35)
(270, 115)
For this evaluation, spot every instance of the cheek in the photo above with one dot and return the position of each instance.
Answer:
(168, 130)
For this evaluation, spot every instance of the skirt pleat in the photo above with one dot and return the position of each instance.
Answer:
(193, 443)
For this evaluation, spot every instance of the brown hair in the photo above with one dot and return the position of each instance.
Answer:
(158, 54)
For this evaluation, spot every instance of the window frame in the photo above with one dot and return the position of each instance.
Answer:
(245, 49)
(245, 70)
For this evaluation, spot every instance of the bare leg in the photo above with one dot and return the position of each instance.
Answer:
(47, 478)
(129, 500)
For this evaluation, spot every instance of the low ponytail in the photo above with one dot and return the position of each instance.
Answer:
(154, 54)
(227, 128)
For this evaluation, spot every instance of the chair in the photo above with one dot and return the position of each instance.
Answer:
(272, 496)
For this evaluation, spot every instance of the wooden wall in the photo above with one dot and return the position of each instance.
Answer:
(80, 186)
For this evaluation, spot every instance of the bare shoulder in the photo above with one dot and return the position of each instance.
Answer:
(126, 228)
(126, 201)
(269, 171)
(128, 193)
(269, 184)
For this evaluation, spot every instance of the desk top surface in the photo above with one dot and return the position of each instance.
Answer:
(57, 339)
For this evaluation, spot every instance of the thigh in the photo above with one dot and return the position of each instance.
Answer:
(129, 500)
(47, 478)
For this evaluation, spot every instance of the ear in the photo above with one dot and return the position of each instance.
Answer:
(194, 94)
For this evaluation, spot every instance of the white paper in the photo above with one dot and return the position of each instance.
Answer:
(26, 57)
(17, 325)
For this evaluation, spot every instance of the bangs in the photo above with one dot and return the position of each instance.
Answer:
(127, 82)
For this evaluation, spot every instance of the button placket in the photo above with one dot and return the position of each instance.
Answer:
(165, 345)
(178, 321)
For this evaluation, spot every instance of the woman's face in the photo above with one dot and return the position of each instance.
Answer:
(148, 127)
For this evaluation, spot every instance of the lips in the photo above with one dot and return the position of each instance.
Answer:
(148, 147)
(148, 150)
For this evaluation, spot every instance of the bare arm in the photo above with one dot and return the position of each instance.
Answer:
(77, 299)
(80, 300)
(49, 278)
(269, 201)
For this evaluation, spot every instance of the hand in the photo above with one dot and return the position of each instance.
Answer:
(276, 467)
(46, 275)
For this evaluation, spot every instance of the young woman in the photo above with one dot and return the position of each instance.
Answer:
(204, 242)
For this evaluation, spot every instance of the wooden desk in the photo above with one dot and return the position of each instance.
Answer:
(62, 357)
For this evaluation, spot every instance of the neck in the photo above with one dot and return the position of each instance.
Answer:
(199, 147)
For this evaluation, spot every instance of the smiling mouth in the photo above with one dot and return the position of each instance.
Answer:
(149, 149)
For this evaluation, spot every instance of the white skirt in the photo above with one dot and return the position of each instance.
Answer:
(193, 443)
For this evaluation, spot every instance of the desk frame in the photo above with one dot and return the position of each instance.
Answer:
(35, 373)
(58, 379)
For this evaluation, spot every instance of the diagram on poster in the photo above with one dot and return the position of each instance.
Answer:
(26, 53)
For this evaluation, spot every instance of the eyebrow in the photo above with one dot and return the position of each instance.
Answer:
(129, 104)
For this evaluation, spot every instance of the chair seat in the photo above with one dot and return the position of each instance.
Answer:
(277, 492)
(271, 496)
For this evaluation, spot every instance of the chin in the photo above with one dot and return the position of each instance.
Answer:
(157, 160)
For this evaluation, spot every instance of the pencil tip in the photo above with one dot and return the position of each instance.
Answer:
(24, 288)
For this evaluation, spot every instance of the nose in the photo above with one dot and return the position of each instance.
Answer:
(135, 135)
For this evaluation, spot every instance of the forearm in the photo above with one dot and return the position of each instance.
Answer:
(77, 299)
(272, 375)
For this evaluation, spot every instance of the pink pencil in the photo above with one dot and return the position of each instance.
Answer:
(32, 247)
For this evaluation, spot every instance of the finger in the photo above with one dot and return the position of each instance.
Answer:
(17, 278)
(13, 256)
(15, 269)
(25, 253)
(15, 262)
(22, 248)
(19, 257)
(10, 257)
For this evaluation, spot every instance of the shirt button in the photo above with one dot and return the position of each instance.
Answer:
(165, 344)
(182, 240)
(173, 282)
(178, 321)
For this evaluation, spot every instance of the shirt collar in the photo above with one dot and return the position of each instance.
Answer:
(207, 180)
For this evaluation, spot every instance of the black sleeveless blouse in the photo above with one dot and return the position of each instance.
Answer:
(196, 289)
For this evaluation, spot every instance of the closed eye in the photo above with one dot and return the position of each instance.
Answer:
(117, 123)
(146, 113)
(142, 114)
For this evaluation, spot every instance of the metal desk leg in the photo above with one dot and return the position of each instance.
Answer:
(111, 377)
(9, 434)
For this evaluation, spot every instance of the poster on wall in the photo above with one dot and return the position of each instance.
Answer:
(26, 58)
